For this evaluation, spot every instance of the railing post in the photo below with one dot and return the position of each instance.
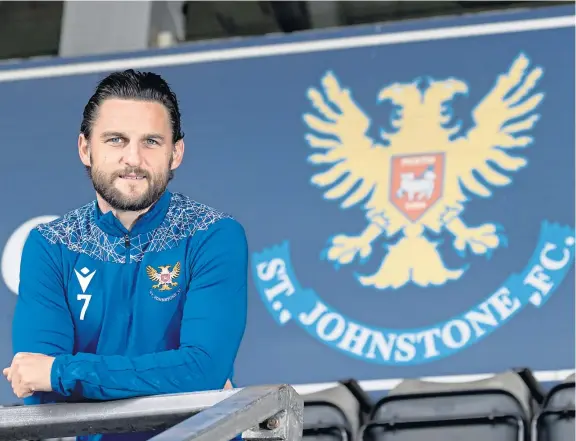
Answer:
(285, 425)
(259, 413)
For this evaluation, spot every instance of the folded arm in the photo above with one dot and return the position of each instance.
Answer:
(213, 324)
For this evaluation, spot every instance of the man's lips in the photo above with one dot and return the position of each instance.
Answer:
(132, 177)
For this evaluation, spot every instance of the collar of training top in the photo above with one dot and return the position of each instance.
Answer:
(149, 221)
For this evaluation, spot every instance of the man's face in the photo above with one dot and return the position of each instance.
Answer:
(130, 154)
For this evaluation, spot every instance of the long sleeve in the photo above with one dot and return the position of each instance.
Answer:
(42, 322)
(213, 325)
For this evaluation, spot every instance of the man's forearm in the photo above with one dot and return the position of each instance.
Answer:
(116, 377)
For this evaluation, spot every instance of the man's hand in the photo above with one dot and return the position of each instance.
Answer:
(29, 373)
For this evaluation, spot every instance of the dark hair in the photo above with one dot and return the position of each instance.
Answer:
(133, 85)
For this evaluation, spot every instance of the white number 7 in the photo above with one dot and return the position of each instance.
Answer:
(86, 298)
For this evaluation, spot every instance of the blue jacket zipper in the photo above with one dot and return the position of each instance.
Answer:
(127, 245)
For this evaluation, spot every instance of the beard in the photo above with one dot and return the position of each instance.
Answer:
(104, 185)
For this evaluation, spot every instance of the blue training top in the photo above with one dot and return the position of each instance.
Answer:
(155, 310)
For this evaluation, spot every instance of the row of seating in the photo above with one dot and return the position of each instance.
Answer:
(505, 407)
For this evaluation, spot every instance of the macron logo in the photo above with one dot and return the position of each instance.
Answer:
(84, 278)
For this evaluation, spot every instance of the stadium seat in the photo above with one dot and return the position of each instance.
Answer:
(333, 414)
(497, 408)
(556, 420)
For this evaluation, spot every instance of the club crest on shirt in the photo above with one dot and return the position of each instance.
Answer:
(165, 280)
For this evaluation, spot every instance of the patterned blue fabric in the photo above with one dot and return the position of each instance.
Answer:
(157, 309)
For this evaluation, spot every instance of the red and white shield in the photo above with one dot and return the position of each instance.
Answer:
(417, 183)
(164, 278)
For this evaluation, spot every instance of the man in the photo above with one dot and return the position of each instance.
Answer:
(142, 291)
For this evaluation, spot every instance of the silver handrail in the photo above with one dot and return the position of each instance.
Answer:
(259, 413)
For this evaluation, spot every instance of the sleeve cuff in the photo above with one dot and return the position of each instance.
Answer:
(56, 374)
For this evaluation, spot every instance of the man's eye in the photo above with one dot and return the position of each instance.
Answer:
(115, 140)
(151, 141)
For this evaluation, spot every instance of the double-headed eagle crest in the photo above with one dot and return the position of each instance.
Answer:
(415, 176)
(164, 277)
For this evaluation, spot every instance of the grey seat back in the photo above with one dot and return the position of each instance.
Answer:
(496, 408)
(556, 421)
(334, 410)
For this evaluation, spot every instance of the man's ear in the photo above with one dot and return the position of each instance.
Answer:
(84, 150)
(177, 154)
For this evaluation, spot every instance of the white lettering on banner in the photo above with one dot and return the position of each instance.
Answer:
(385, 344)
(308, 319)
(402, 347)
(286, 299)
(538, 278)
(355, 338)
(275, 268)
(484, 316)
(455, 340)
(12, 254)
(333, 321)
(503, 304)
(406, 349)
(552, 264)
(429, 343)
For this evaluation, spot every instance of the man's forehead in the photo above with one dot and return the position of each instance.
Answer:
(132, 115)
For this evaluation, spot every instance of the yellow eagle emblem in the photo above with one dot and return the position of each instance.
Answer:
(413, 178)
(164, 277)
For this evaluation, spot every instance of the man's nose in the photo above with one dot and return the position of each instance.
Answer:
(132, 155)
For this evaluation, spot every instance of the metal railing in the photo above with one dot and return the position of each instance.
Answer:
(259, 413)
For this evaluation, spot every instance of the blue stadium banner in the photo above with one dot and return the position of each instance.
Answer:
(407, 189)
